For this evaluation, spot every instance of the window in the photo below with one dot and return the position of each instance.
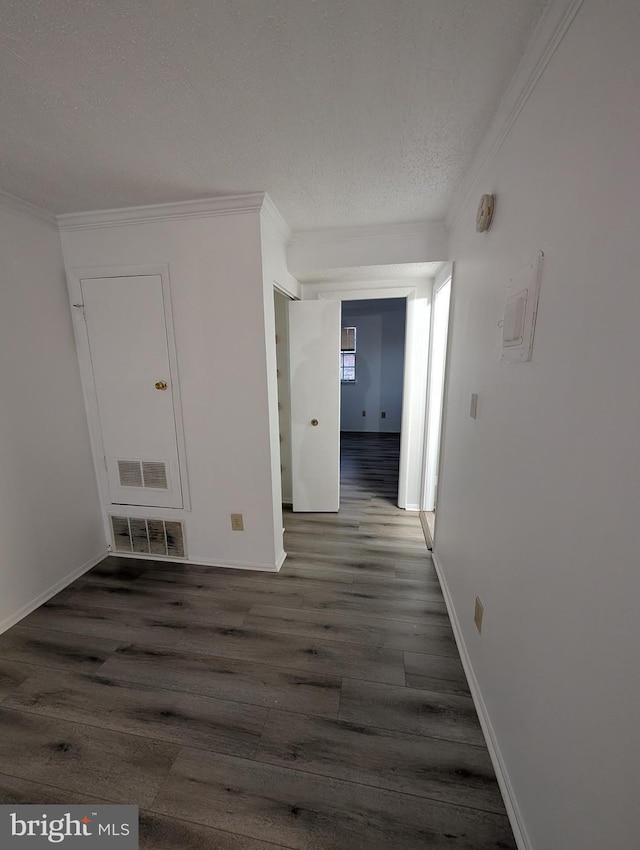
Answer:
(348, 355)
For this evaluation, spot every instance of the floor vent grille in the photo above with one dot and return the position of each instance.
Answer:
(144, 536)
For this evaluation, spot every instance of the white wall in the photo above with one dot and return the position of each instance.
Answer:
(539, 500)
(312, 252)
(50, 526)
(226, 366)
(379, 366)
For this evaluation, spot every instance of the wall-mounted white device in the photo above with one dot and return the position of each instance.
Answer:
(484, 215)
(520, 311)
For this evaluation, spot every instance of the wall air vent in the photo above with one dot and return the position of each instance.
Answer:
(154, 475)
(130, 472)
(143, 536)
(149, 474)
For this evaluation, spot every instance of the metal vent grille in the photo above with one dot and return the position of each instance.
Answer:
(154, 475)
(130, 473)
(149, 474)
(148, 536)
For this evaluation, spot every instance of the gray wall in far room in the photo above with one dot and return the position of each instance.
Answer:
(380, 332)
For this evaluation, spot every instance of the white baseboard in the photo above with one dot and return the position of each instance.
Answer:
(281, 560)
(506, 789)
(232, 565)
(196, 560)
(27, 609)
(428, 539)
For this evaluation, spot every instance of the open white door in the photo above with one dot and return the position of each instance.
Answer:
(314, 351)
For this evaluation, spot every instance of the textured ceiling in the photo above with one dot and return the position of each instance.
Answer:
(347, 112)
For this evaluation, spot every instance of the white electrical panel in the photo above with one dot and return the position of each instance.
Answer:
(520, 311)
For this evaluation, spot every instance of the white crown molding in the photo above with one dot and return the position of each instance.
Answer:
(272, 213)
(374, 231)
(202, 208)
(549, 32)
(26, 208)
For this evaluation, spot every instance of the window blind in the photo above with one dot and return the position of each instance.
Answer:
(348, 339)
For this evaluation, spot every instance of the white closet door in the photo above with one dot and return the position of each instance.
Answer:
(314, 348)
(127, 334)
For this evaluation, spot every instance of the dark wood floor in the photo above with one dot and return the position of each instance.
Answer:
(322, 708)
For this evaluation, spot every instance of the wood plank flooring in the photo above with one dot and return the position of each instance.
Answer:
(323, 708)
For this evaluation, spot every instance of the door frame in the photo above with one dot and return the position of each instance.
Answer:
(438, 284)
(413, 384)
(278, 290)
(74, 277)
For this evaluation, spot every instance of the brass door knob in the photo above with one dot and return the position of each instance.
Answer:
(161, 385)
(314, 421)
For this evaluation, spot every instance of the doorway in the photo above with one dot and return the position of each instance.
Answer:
(416, 293)
(435, 400)
(371, 384)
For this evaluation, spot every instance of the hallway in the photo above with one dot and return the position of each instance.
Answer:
(323, 708)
